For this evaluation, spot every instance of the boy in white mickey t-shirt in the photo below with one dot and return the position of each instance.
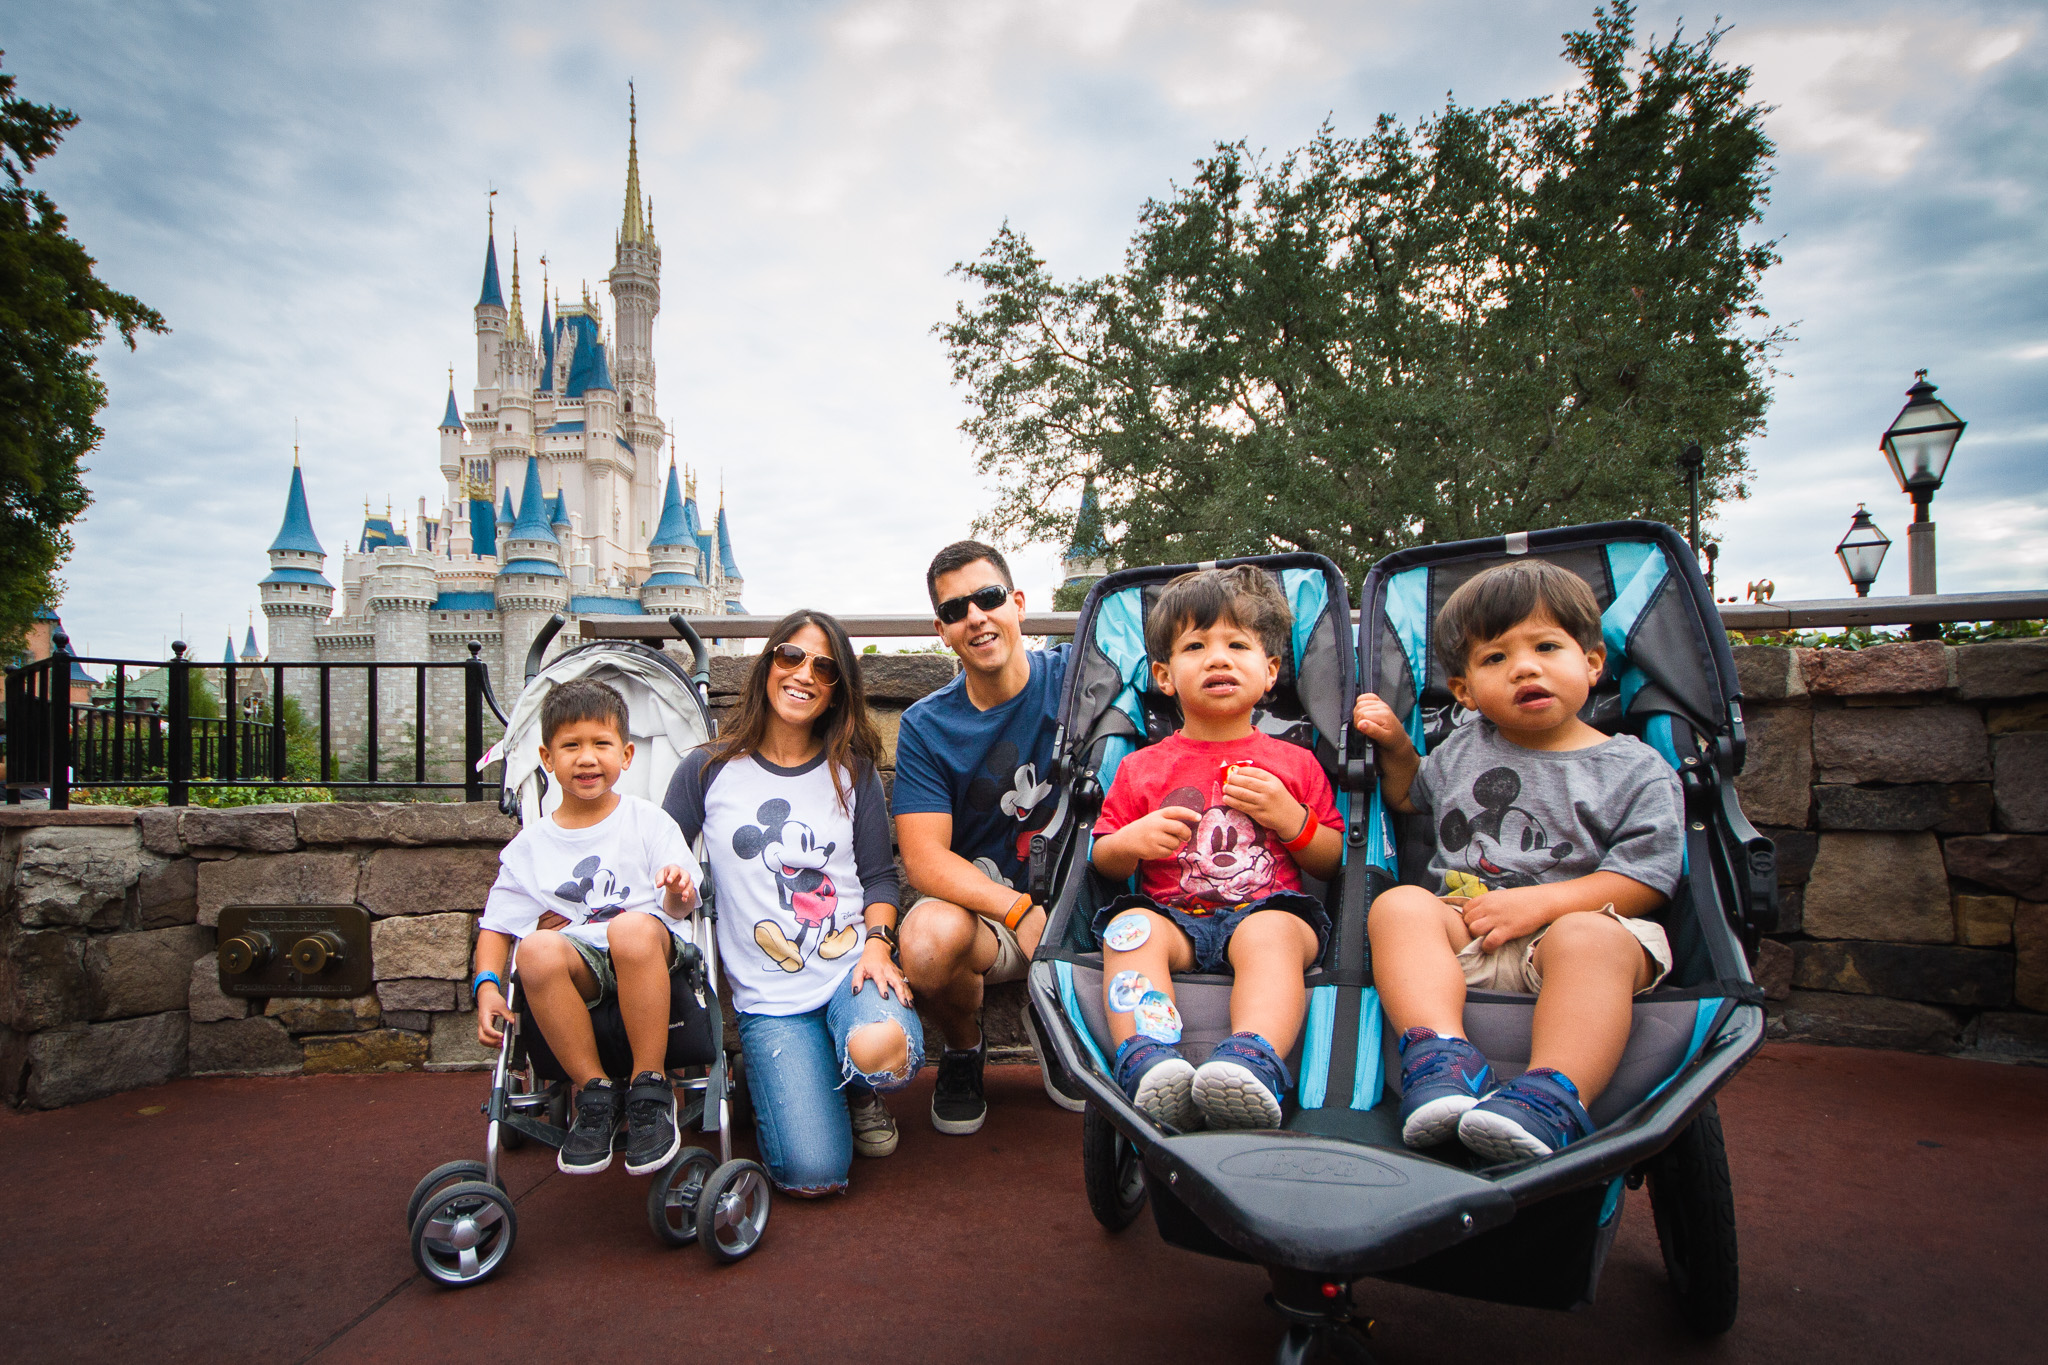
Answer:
(612, 877)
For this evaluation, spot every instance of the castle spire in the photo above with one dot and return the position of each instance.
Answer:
(517, 325)
(634, 227)
(297, 531)
(491, 296)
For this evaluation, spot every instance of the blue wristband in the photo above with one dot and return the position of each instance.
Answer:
(482, 977)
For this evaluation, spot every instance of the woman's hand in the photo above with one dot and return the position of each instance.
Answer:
(878, 966)
(1266, 799)
(490, 1011)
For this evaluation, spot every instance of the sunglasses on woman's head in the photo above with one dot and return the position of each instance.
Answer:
(953, 610)
(791, 657)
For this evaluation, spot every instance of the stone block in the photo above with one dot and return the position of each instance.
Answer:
(88, 1061)
(425, 881)
(2019, 766)
(888, 724)
(415, 994)
(1791, 909)
(1984, 921)
(168, 894)
(148, 972)
(1768, 673)
(159, 826)
(2030, 947)
(1773, 968)
(412, 1021)
(1947, 808)
(905, 678)
(384, 1049)
(76, 874)
(1864, 1021)
(406, 824)
(276, 879)
(244, 1047)
(2019, 718)
(1796, 850)
(1880, 886)
(1881, 670)
(1901, 744)
(43, 981)
(455, 1042)
(1937, 976)
(204, 999)
(1776, 782)
(2002, 668)
(422, 946)
(2018, 1037)
(254, 829)
(2014, 863)
(324, 1014)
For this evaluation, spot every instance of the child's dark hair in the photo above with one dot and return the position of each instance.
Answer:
(1496, 601)
(959, 555)
(582, 699)
(1245, 596)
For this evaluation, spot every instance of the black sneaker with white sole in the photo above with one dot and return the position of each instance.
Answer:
(651, 1137)
(588, 1148)
(1059, 1087)
(958, 1105)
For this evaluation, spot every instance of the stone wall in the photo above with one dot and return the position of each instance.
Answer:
(1906, 787)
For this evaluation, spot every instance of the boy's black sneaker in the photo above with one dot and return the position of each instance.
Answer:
(651, 1137)
(958, 1106)
(588, 1148)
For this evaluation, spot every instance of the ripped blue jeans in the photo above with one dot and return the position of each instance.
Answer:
(798, 1073)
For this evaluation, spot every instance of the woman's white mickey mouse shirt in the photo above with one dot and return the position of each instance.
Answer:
(589, 876)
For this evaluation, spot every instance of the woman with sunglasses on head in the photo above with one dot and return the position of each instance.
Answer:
(796, 833)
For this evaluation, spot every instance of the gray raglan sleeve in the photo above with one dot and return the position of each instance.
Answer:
(873, 857)
(1647, 842)
(685, 799)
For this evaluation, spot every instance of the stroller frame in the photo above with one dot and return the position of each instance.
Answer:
(1333, 1196)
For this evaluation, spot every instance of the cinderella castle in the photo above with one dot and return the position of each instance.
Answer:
(556, 497)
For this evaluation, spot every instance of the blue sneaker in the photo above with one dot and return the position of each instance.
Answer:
(1535, 1114)
(1441, 1078)
(1158, 1081)
(1241, 1084)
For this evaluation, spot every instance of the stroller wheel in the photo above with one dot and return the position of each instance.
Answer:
(732, 1210)
(1694, 1204)
(463, 1233)
(1111, 1172)
(451, 1173)
(672, 1200)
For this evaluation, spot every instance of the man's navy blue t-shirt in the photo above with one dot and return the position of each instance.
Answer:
(984, 768)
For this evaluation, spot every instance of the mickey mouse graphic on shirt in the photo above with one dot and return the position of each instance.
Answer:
(1226, 861)
(596, 888)
(789, 850)
(1015, 789)
(1502, 845)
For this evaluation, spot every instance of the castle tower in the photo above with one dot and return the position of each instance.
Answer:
(531, 586)
(730, 581)
(490, 324)
(636, 299)
(673, 585)
(297, 598)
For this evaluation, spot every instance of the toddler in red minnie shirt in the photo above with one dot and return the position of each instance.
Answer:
(1218, 821)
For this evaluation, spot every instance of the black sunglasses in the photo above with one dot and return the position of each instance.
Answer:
(954, 609)
(824, 667)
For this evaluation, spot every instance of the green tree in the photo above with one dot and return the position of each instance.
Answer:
(53, 312)
(1500, 319)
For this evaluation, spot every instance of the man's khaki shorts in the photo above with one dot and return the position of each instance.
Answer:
(1512, 966)
(1010, 963)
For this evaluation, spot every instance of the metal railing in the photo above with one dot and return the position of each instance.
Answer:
(57, 744)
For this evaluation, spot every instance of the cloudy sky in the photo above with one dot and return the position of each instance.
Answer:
(300, 189)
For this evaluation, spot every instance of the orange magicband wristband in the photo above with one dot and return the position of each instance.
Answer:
(1018, 912)
(1307, 835)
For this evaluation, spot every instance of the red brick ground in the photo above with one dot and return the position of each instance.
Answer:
(1891, 1207)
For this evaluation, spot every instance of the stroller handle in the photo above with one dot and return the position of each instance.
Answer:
(700, 658)
(541, 642)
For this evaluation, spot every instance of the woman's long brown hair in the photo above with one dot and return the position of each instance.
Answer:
(843, 724)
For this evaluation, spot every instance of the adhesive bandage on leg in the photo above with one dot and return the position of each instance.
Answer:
(1127, 932)
(1126, 989)
(1156, 1017)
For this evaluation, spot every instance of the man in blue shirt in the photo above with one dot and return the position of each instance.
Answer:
(971, 788)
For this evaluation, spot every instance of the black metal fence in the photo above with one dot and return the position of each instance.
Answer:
(55, 743)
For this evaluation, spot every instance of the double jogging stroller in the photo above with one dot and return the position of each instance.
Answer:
(1333, 1195)
(460, 1217)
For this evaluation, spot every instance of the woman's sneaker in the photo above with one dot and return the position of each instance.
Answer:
(651, 1137)
(1534, 1114)
(1242, 1083)
(588, 1147)
(1158, 1080)
(874, 1128)
(1441, 1078)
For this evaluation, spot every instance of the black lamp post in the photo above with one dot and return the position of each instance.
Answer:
(1862, 551)
(1692, 461)
(1918, 445)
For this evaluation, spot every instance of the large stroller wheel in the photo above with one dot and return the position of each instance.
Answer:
(449, 1173)
(1111, 1171)
(463, 1232)
(672, 1198)
(1694, 1202)
(732, 1210)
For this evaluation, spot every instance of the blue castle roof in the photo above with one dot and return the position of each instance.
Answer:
(533, 523)
(505, 512)
(249, 650)
(558, 509)
(297, 531)
(465, 601)
(674, 528)
(378, 534)
(541, 567)
(547, 349)
(231, 650)
(671, 580)
(726, 565)
(1089, 541)
(306, 576)
(564, 428)
(452, 419)
(606, 606)
(483, 528)
(491, 294)
(587, 366)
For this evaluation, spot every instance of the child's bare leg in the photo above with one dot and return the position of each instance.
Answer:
(1271, 951)
(640, 959)
(1165, 950)
(559, 986)
(1591, 968)
(1415, 941)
